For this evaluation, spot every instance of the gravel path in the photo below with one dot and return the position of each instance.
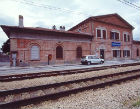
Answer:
(48, 80)
(115, 97)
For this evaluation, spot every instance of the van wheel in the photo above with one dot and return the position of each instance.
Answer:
(101, 62)
(88, 63)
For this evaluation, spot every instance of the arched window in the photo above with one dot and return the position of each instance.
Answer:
(137, 52)
(59, 52)
(79, 52)
(35, 53)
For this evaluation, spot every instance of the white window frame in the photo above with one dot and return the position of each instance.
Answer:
(101, 28)
(116, 31)
(32, 57)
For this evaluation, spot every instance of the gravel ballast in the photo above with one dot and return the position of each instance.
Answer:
(121, 96)
(50, 80)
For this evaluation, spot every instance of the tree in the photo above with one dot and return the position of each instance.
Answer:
(6, 47)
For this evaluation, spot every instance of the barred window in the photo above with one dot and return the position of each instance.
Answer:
(59, 52)
(79, 52)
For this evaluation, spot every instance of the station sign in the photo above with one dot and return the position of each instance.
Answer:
(116, 44)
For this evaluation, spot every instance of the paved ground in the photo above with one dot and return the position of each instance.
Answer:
(5, 69)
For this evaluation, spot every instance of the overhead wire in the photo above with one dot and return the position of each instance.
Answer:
(129, 4)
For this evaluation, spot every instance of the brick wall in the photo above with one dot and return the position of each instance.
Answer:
(49, 47)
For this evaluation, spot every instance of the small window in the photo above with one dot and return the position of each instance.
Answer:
(114, 35)
(35, 53)
(126, 37)
(117, 53)
(137, 52)
(59, 52)
(101, 33)
(126, 53)
(79, 52)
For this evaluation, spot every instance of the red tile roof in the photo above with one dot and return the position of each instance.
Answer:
(9, 29)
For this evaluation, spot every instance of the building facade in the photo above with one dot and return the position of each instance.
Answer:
(33, 46)
(107, 36)
(112, 36)
(136, 50)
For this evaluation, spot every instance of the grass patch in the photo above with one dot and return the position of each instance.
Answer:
(137, 103)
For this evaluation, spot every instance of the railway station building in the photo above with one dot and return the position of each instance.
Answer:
(106, 36)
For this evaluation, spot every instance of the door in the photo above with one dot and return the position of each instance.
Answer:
(102, 53)
(14, 58)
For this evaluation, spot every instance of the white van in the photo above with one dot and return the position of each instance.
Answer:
(89, 59)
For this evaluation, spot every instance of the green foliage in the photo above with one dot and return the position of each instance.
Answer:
(6, 47)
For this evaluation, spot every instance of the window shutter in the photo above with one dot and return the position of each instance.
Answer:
(137, 52)
(128, 53)
(128, 38)
(124, 37)
(111, 35)
(98, 33)
(113, 53)
(117, 36)
(104, 34)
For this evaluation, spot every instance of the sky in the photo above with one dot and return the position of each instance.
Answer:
(68, 13)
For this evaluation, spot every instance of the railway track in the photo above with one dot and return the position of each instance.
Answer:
(18, 77)
(24, 96)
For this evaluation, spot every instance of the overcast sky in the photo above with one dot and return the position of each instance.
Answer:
(45, 13)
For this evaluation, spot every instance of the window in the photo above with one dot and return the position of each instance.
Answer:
(114, 35)
(117, 53)
(79, 52)
(126, 53)
(137, 52)
(126, 37)
(59, 52)
(35, 53)
(101, 33)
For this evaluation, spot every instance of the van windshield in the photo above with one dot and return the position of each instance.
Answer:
(83, 57)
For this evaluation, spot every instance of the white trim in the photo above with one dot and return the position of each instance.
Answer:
(126, 48)
(116, 49)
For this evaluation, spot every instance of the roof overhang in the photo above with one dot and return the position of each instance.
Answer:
(15, 29)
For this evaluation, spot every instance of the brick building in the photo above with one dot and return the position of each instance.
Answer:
(107, 36)
(136, 50)
(112, 36)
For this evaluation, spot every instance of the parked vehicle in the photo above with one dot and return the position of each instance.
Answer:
(90, 59)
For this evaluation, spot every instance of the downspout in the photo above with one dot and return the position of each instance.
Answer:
(92, 36)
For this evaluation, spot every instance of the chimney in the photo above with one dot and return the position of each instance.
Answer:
(21, 21)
